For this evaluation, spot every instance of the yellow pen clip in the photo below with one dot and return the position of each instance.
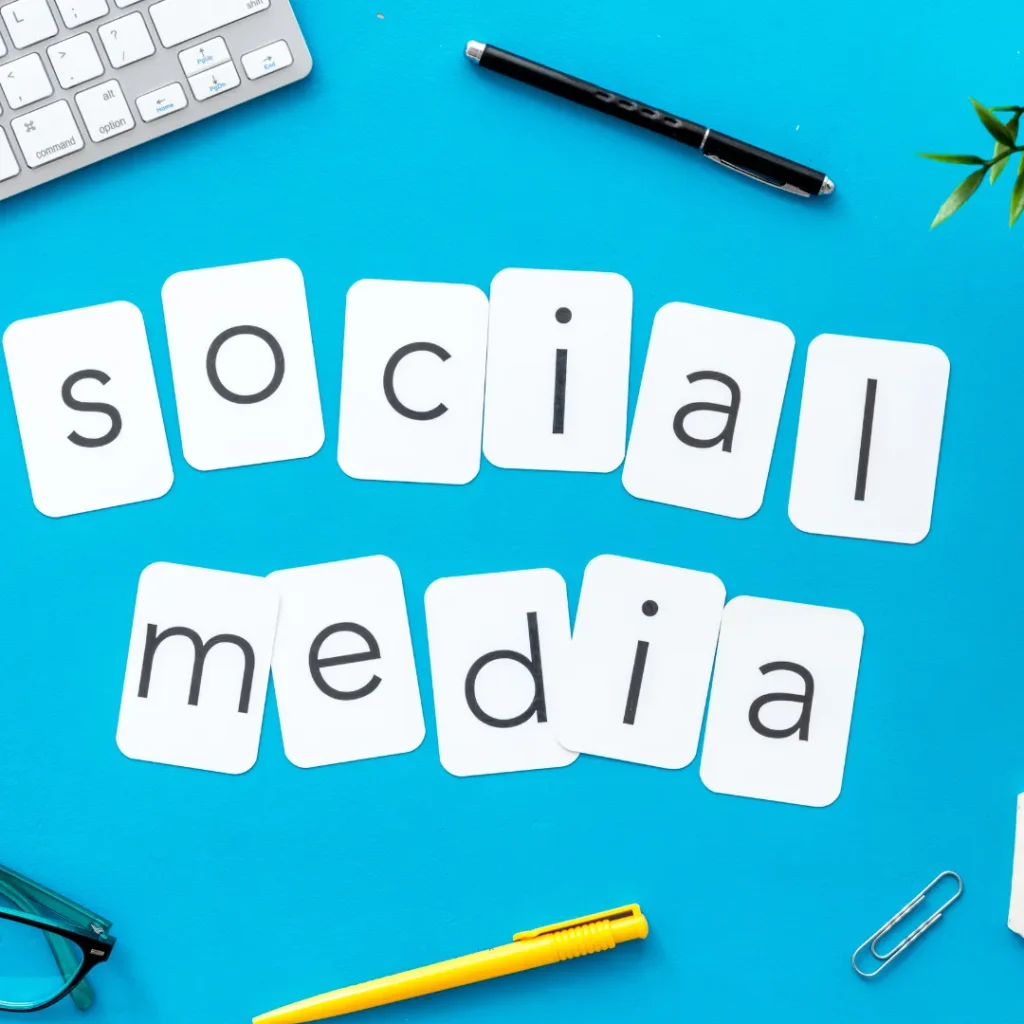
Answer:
(630, 916)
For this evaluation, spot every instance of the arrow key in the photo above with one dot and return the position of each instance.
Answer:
(162, 102)
(75, 60)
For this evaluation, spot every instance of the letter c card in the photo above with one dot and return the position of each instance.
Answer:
(499, 644)
(198, 665)
(782, 701)
(344, 671)
(412, 385)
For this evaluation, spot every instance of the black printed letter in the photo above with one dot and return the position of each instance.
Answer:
(561, 368)
(372, 653)
(155, 639)
(389, 380)
(865, 440)
(649, 608)
(218, 384)
(531, 664)
(108, 410)
(803, 723)
(731, 412)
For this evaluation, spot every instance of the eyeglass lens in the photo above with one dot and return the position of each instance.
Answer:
(29, 973)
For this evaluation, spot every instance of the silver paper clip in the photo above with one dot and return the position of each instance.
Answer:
(884, 959)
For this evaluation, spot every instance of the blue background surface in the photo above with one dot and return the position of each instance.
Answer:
(397, 159)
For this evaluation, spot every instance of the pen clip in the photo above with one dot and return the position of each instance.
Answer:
(758, 177)
(618, 914)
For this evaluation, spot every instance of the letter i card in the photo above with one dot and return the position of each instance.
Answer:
(198, 666)
(499, 644)
(782, 701)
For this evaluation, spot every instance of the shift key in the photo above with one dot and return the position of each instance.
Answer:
(177, 21)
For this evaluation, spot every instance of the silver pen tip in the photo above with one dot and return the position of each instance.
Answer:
(828, 186)
(475, 50)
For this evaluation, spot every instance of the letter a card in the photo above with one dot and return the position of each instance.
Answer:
(708, 411)
(781, 701)
(198, 665)
(499, 643)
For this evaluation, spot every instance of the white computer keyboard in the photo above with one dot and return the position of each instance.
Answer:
(81, 80)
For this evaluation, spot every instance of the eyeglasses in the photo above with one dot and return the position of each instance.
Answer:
(47, 946)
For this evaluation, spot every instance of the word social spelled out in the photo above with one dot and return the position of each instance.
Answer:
(535, 376)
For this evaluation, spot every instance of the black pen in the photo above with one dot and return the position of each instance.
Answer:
(755, 163)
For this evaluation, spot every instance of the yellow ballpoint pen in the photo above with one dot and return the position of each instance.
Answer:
(527, 950)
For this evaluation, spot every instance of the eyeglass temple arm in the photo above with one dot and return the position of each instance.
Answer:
(78, 915)
(30, 897)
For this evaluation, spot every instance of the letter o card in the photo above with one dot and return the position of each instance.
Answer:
(242, 360)
(642, 651)
(88, 410)
(781, 701)
(198, 665)
(344, 671)
(499, 644)
(867, 447)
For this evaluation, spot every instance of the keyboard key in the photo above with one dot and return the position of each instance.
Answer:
(206, 55)
(125, 3)
(29, 22)
(47, 134)
(8, 165)
(75, 60)
(159, 104)
(78, 12)
(274, 57)
(215, 81)
(127, 40)
(25, 81)
(179, 20)
(3, 47)
(105, 111)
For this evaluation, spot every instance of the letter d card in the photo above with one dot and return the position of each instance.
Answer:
(499, 645)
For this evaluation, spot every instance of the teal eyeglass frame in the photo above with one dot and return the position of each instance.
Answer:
(63, 923)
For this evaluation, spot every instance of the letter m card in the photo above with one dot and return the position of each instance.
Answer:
(198, 667)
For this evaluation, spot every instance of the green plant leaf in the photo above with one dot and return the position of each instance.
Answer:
(953, 158)
(1001, 109)
(960, 195)
(992, 124)
(1017, 195)
(1001, 156)
(1013, 125)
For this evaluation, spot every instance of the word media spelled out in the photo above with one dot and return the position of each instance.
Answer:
(514, 689)
(534, 377)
